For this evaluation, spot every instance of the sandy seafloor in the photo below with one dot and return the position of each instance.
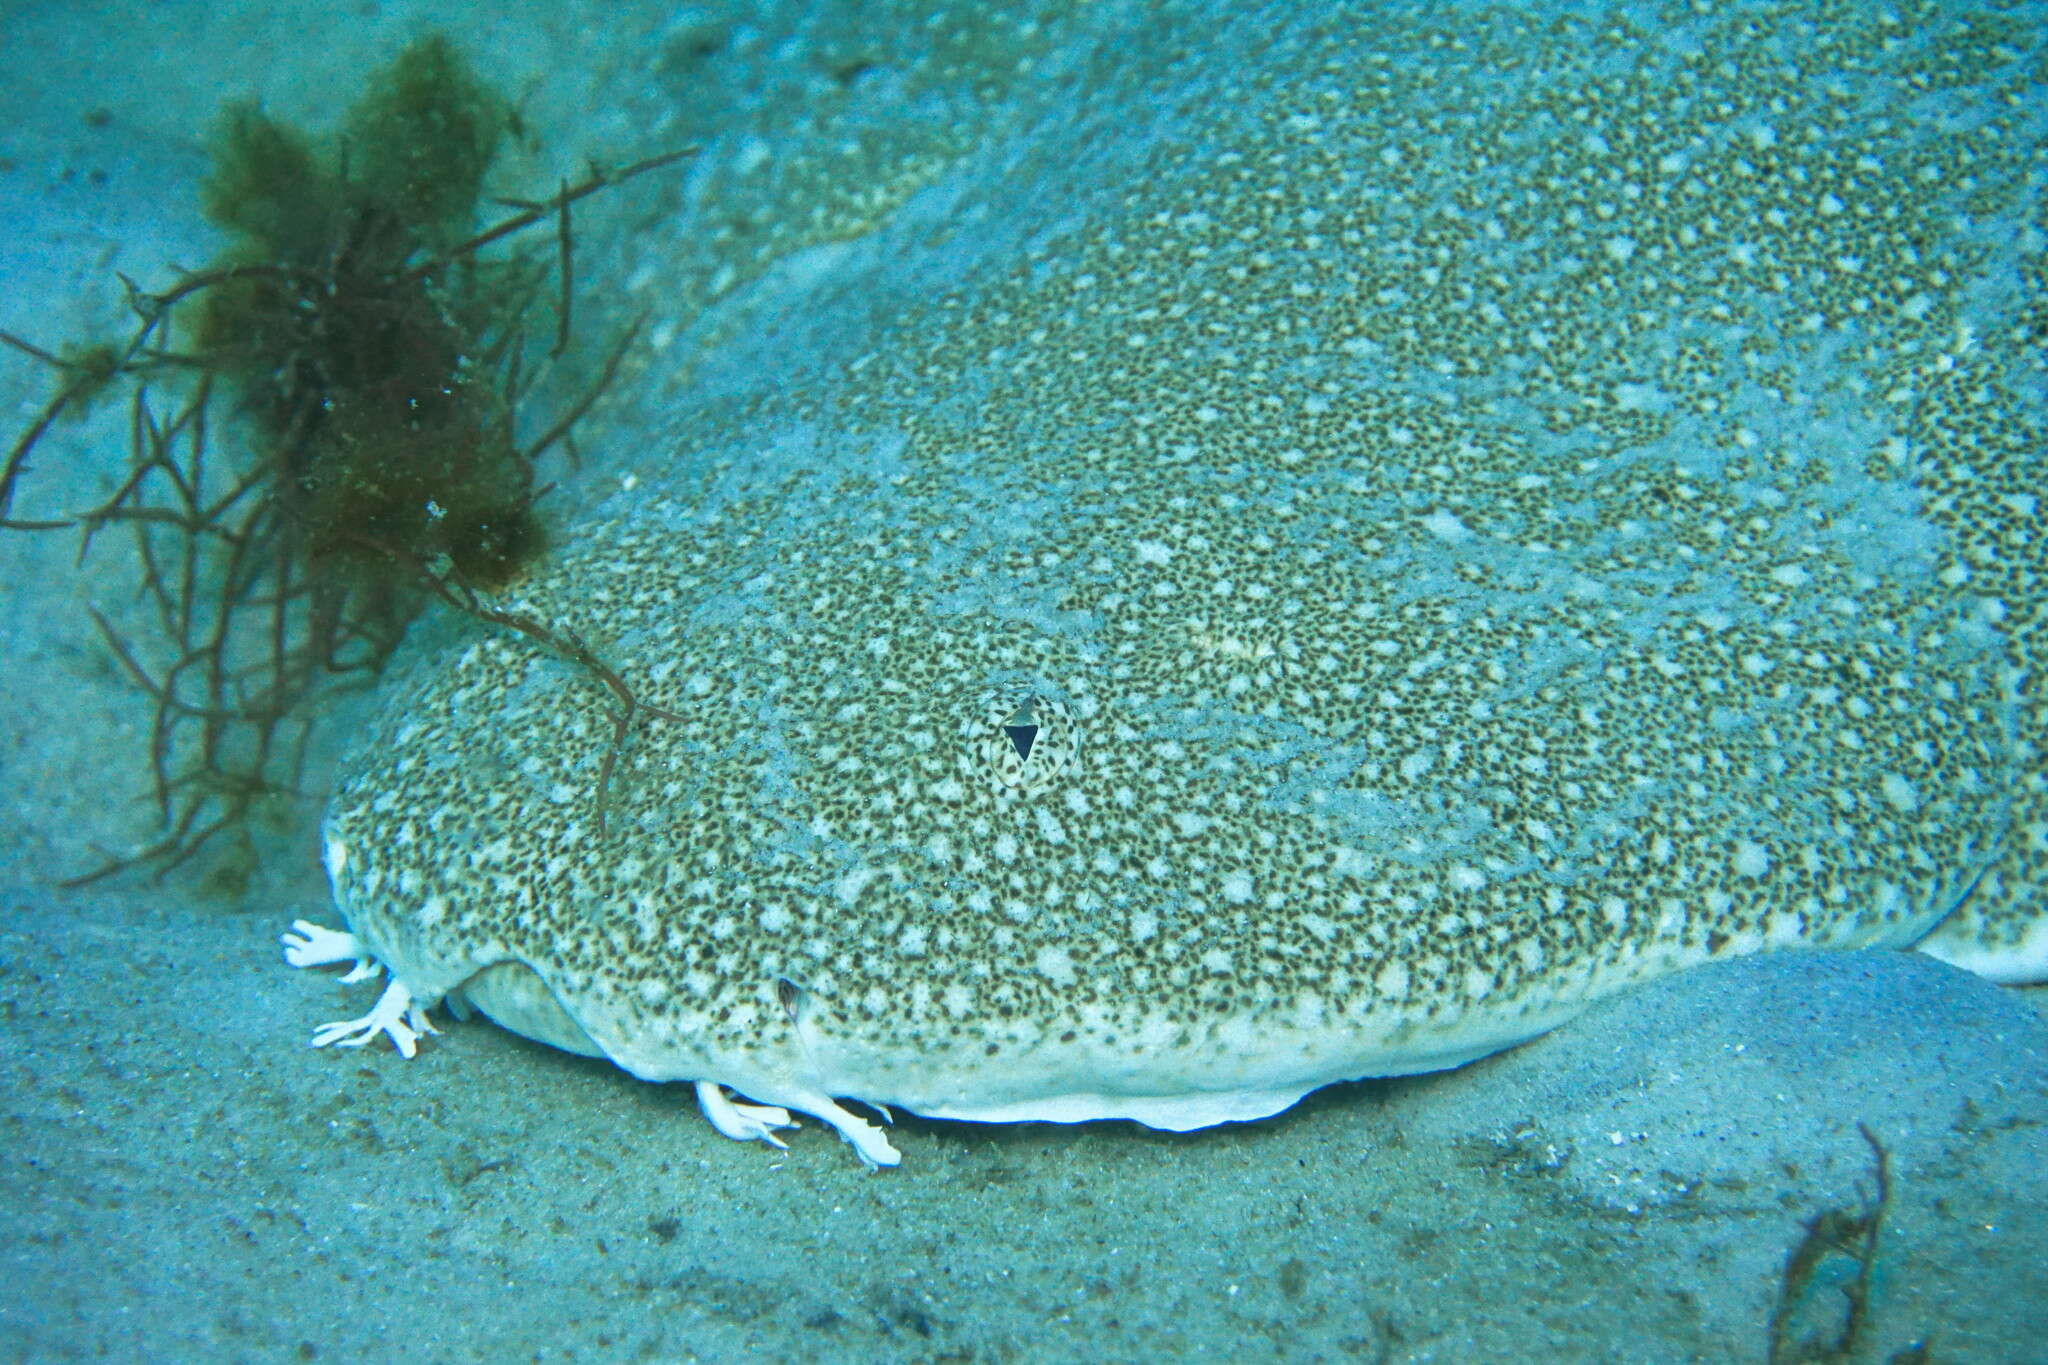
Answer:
(182, 1178)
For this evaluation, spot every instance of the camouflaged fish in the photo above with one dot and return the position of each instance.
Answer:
(1451, 517)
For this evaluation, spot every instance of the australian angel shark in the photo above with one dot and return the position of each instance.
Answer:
(1431, 546)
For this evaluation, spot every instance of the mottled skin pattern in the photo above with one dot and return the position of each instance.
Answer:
(1483, 517)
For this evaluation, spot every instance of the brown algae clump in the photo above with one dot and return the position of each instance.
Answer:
(373, 346)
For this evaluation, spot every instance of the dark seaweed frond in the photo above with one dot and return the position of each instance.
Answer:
(375, 355)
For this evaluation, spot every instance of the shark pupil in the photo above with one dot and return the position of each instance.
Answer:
(1022, 737)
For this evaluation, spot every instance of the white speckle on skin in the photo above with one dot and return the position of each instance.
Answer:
(1056, 965)
(1444, 526)
(848, 887)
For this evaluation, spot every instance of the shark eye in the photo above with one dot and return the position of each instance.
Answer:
(1021, 740)
(1022, 727)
